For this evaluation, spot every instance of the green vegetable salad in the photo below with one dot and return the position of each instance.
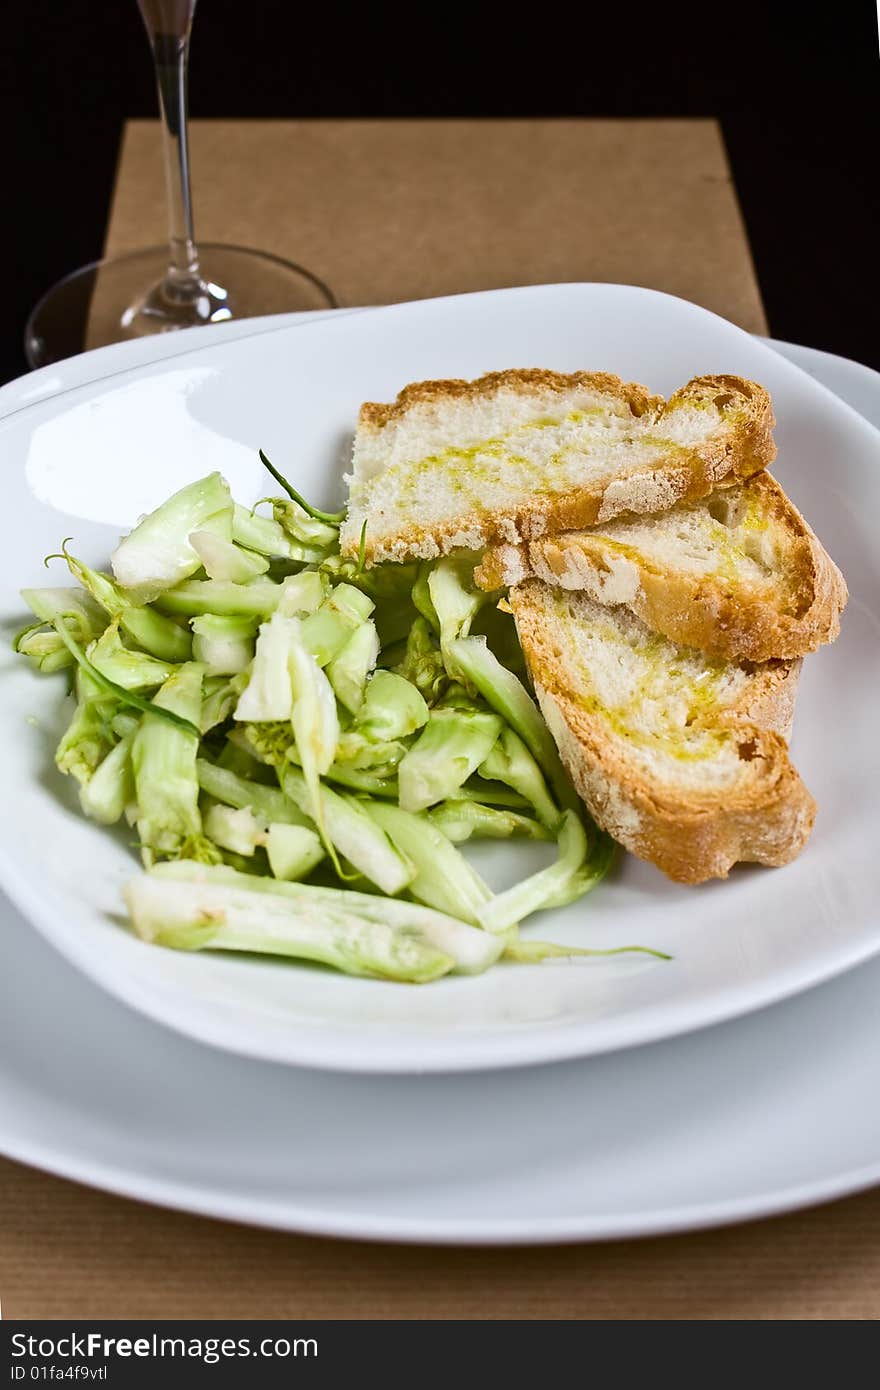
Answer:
(301, 744)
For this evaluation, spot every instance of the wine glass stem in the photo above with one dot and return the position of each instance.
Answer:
(169, 23)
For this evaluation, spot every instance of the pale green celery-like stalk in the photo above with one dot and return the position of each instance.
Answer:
(456, 601)
(85, 620)
(85, 617)
(349, 669)
(86, 741)
(220, 917)
(220, 695)
(194, 597)
(260, 533)
(392, 709)
(452, 746)
(492, 794)
(293, 851)
(506, 694)
(461, 819)
(156, 634)
(157, 554)
(269, 804)
(421, 597)
(223, 559)
(326, 632)
(363, 780)
(603, 852)
(47, 651)
(269, 694)
(473, 950)
(305, 529)
(111, 787)
(357, 838)
(544, 888)
(511, 762)
(313, 716)
(443, 877)
(133, 670)
(224, 645)
(236, 829)
(356, 751)
(301, 594)
(422, 662)
(163, 757)
(124, 723)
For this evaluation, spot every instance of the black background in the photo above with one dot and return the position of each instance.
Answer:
(795, 87)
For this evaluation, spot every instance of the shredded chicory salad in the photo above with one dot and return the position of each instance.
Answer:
(301, 744)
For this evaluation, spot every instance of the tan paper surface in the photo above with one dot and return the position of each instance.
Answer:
(390, 210)
(387, 211)
(67, 1252)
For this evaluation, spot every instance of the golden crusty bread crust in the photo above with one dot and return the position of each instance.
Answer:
(740, 446)
(724, 615)
(694, 832)
(524, 379)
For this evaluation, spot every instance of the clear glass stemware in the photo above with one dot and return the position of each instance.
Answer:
(180, 285)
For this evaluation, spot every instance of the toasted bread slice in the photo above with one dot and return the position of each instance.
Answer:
(521, 454)
(681, 757)
(739, 574)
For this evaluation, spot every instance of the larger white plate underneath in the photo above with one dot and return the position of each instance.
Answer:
(88, 458)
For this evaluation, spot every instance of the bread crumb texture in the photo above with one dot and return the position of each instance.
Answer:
(521, 454)
(738, 574)
(681, 756)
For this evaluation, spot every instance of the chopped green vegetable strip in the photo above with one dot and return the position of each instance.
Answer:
(87, 739)
(422, 662)
(268, 803)
(507, 695)
(224, 646)
(456, 601)
(219, 917)
(443, 878)
(133, 670)
(306, 530)
(157, 553)
(111, 787)
(349, 669)
(391, 709)
(459, 820)
(301, 594)
(357, 837)
(510, 761)
(473, 951)
(540, 890)
(268, 694)
(126, 697)
(234, 829)
(292, 850)
(223, 559)
(163, 757)
(452, 747)
(193, 597)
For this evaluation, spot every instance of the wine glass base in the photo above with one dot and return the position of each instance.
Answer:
(126, 297)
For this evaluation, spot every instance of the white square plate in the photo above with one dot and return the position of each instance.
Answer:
(87, 460)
